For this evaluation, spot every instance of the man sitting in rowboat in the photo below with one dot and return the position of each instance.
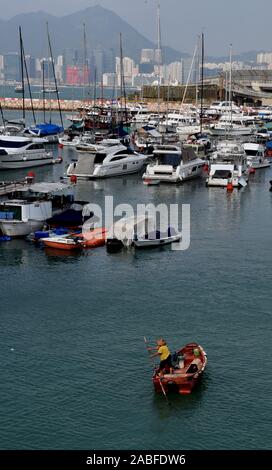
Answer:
(165, 356)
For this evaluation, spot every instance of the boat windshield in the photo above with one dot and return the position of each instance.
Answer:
(169, 159)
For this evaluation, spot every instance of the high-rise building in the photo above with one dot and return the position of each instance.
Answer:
(98, 55)
(147, 56)
(175, 72)
(12, 66)
(31, 66)
(264, 58)
(77, 75)
(47, 66)
(109, 79)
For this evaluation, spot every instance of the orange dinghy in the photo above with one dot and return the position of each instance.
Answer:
(67, 243)
(188, 366)
(94, 238)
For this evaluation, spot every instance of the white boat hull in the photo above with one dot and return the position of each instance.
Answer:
(259, 166)
(13, 161)
(17, 228)
(179, 176)
(143, 243)
(221, 132)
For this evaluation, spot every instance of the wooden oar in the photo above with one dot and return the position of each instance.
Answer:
(161, 384)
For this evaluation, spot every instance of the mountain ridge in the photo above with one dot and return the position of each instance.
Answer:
(103, 29)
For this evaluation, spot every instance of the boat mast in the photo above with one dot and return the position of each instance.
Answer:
(84, 59)
(197, 69)
(159, 56)
(53, 68)
(22, 71)
(27, 77)
(122, 83)
(43, 91)
(230, 85)
(2, 116)
(202, 81)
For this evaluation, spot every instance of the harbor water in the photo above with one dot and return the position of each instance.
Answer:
(75, 373)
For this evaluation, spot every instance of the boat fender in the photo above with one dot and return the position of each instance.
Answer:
(73, 179)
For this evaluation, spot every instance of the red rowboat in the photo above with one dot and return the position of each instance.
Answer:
(188, 366)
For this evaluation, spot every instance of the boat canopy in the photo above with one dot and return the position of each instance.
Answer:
(127, 228)
(55, 189)
(43, 130)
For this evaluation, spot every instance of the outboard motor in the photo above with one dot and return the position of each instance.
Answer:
(114, 245)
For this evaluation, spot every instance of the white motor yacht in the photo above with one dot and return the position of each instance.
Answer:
(256, 156)
(172, 164)
(228, 165)
(22, 152)
(108, 161)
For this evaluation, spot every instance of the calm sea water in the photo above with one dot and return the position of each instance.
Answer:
(65, 92)
(74, 369)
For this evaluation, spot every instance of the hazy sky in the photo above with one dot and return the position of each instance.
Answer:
(244, 23)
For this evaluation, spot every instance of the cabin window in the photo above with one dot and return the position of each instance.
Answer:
(99, 158)
(168, 159)
(9, 212)
(128, 151)
(35, 147)
(120, 157)
(12, 143)
(194, 168)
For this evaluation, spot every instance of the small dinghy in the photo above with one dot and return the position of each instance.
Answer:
(157, 238)
(189, 364)
(139, 232)
(64, 242)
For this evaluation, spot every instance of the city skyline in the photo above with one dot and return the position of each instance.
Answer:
(180, 23)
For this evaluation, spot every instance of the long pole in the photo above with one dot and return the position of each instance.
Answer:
(43, 91)
(53, 67)
(162, 387)
(230, 85)
(22, 70)
(188, 79)
(202, 81)
(84, 60)
(122, 77)
(27, 77)
(159, 54)
(2, 116)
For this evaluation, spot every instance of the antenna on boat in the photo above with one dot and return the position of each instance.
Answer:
(161, 384)
(54, 73)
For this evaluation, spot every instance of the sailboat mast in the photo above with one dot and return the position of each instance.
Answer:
(53, 68)
(84, 59)
(202, 81)
(230, 85)
(22, 70)
(43, 91)
(123, 79)
(159, 54)
(27, 78)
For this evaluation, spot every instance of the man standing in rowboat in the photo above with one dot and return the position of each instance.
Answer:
(165, 356)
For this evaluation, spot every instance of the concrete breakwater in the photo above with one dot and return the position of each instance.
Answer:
(74, 105)
(65, 105)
